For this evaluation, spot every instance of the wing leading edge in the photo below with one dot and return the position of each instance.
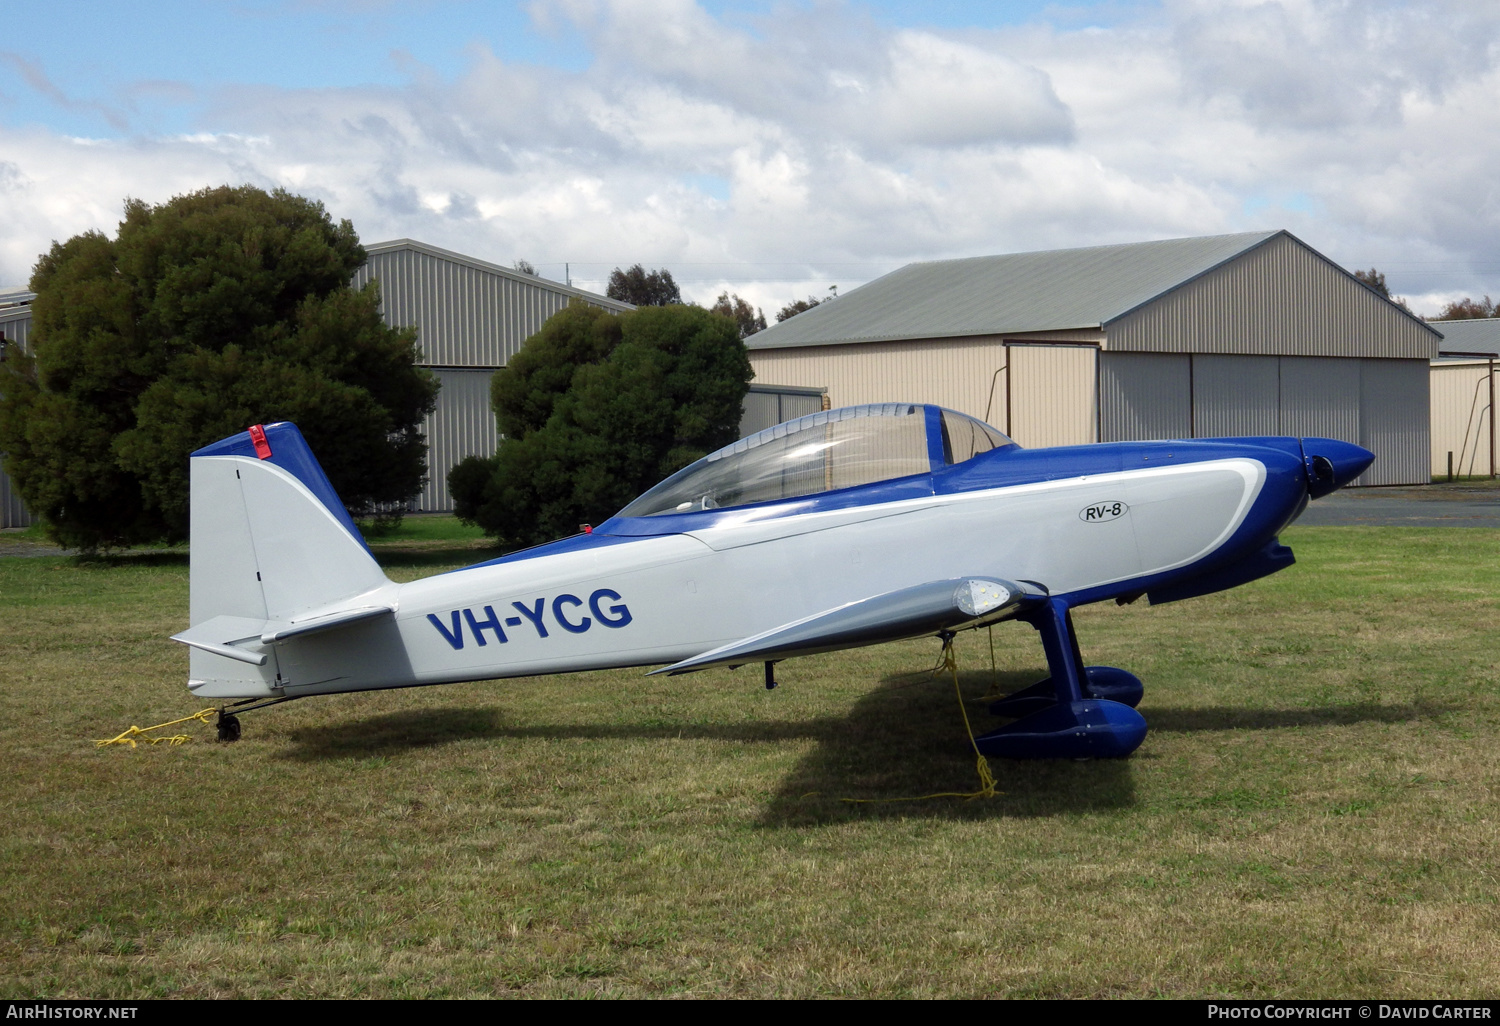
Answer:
(905, 613)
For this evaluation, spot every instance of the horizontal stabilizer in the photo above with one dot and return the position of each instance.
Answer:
(223, 634)
(220, 634)
(280, 630)
(907, 613)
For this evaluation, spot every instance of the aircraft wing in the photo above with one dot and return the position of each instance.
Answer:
(905, 613)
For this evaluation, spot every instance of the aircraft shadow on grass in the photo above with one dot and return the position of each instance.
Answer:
(428, 727)
(906, 739)
(394, 732)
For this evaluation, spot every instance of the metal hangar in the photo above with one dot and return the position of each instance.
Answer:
(471, 318)
(1247, 334)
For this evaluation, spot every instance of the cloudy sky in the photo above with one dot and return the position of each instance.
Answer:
(776, 147)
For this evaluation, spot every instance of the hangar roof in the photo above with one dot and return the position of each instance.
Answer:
(474, 263)
(1052, 290)
(1479, 336)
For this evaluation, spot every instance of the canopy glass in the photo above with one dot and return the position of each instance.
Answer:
(822, 452)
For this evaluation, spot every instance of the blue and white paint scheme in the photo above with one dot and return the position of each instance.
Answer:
(847, 527)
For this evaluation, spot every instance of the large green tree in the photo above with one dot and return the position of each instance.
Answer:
(596, 408)
(208, 313)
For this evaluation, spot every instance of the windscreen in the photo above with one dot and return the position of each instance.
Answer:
(834, 449)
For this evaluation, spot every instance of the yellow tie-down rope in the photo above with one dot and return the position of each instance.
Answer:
(949, 661)
(134, 734)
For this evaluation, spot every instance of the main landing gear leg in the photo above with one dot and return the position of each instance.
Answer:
(771, 683)
(1075, 713)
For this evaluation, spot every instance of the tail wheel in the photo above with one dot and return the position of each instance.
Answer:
(229, 726)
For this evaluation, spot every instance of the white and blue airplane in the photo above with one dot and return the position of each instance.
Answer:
(845, 528)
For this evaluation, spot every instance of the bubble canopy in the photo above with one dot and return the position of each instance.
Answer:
(823, 452)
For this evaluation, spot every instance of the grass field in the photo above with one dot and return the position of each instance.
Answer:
(1314, 812)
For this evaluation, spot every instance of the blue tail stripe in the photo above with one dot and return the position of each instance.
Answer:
(290, 452)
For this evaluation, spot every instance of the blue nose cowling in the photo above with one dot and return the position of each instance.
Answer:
(1331, 464)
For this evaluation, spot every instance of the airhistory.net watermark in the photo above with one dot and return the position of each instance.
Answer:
(34, 1010)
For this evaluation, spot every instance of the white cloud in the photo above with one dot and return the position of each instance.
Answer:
(846, 148)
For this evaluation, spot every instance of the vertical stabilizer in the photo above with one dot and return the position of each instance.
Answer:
(270, 543)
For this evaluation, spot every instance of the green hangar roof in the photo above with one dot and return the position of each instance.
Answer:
(1065, 289)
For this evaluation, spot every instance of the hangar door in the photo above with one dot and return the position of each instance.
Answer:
(1380, 404)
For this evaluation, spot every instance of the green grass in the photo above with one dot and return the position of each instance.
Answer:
(37, 532)
(1314, 813)
(418, 531)
(426, 527)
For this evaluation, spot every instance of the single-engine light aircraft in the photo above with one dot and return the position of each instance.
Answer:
(848, 527)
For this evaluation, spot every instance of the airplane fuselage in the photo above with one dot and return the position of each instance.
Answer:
(1087, 523)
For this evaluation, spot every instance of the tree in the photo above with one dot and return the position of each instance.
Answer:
(206, 314)
(1465, 308)
(595, 409)
(795, 307)
(1375, 281)
(749, 319)
(525, 267)
(639, 287)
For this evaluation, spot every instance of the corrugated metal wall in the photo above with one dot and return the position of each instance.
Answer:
(12, 510)
(1394, 421)
(465, 316)
(1236, 395)
(960, 374)
(765, 409)
(16, 323)
(1320, 397)
(1380, 404)
(1144, 396)
(462, 425)
(952, 373)
(1051, 395)
(1460, 418)
(471, 318)
(1279, 299)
